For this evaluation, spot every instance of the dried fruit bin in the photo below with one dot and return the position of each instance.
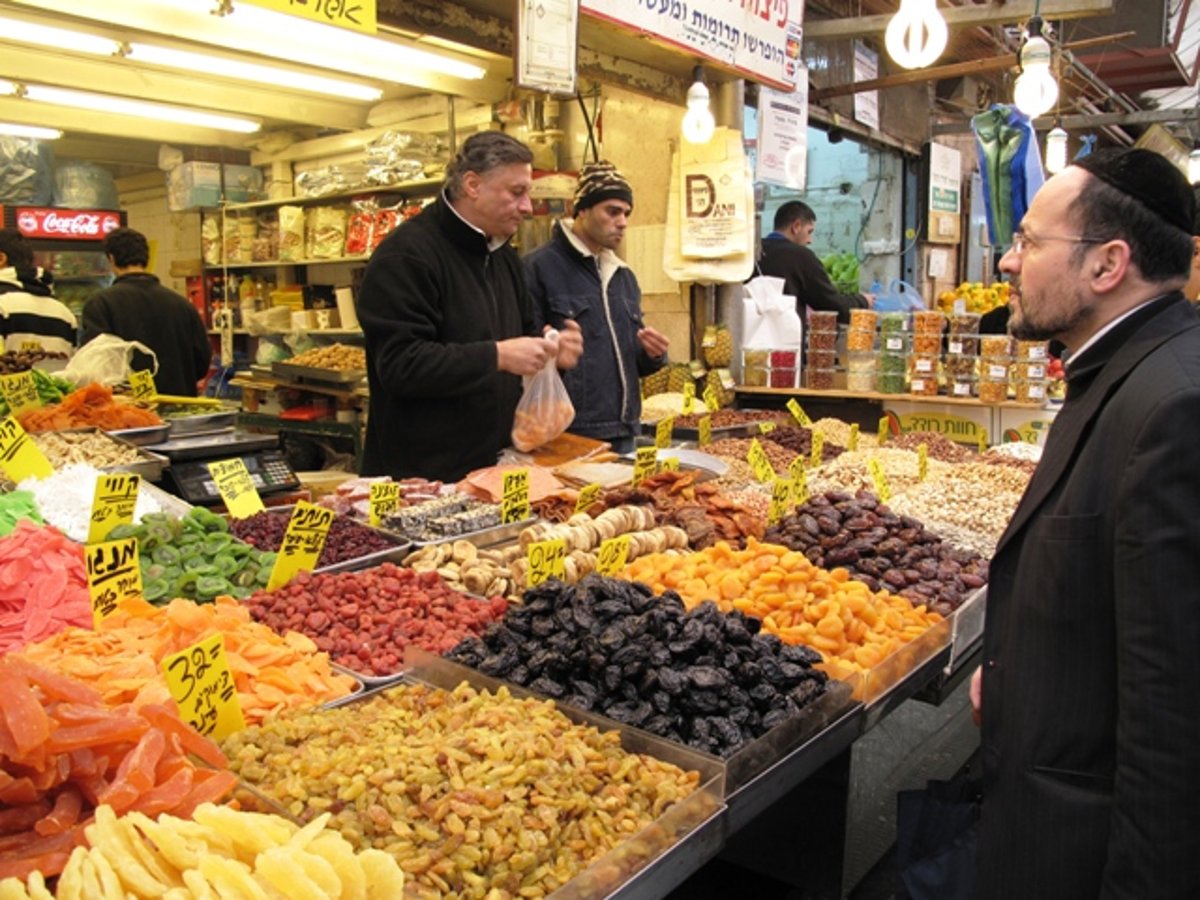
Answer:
(906, 668)
(398, 549)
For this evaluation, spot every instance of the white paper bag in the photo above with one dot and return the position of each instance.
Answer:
(769, 316)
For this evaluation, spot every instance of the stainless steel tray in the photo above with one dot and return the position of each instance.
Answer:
(313, 373)
(202, 423)
(395, 553)
(486, 537)
(214, 446)
(149, 465)
(151, 434)
(370, 682)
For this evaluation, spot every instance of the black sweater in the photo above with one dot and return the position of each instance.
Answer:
(433, 303)
(805, 278)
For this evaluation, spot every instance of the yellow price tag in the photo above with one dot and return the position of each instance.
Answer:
(20, 392)
(545, 561)
(853, 437)
(705, 431)
(766, 427)
(799, 486)
(662, 432)
(385, 497)
(818, 448)
(759, 462)
(645, 463)
(668, 464)
(31, 347)
(21, 458)
(882, 490)
(710, 336)
(113, 503)
(689, 397)
(712, 399)
(141, 384)
(588, 497)
(612, 555)
(983, 440)
(882, 434)
(781, 496)
(798, 413)
(236, 487)
(922, 462)
(113, 575)
(514, 501)
(202, 687)
(302, 543)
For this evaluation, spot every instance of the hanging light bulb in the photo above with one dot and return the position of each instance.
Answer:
(916, 35)
(1056, 149)
(1194, 164)
(1036, 91)
(698, 121)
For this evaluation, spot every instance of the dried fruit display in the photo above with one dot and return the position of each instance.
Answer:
(799, 441)
(471, 792)
(698, 507)
(335, 357)
(937, 446)
(467, 568)
(700, 678)
(347, 539)
(881, 549)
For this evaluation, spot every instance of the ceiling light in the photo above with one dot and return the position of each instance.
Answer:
(12, 129)
(698, 121)
(142, 109)
(916, 35)
(7, 87)
(58, 38)
(1056, 149)
(1036, 91)
(202, 63)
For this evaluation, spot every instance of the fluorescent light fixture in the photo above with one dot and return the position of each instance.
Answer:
(140, 108)
(29, 131)
(7, 87)
(916, 35)
(1056, 149)
(698, 121)
(202, 63)
(58, 38)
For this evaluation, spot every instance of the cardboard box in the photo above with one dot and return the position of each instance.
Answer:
(198, 184)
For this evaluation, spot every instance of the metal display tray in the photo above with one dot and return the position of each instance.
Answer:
(314, 373)
(214, 446)
(202, 423)
(149, 465)
(487, 537)
(371, 682)
(168, 503)
(151, 434)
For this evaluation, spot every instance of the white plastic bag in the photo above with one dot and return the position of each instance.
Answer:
(545, 410)
(105, 359)
(769, 315)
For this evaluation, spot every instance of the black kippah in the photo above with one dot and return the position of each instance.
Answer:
(1148, 177)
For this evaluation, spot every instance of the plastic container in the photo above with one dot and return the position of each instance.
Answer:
(923, 365)
(962, 345)
(1029, 391)
(926, 343)
(822, 320)
(923, 385)
(928, 321)
(1028, 371)
(822, 340)
(863, 320)
(1034, 351)
(995, 345)
(861, 371)
(821, 359)
(784, 377)
(963, 387)
(819, 379)
(893, 323)
(965, 323)
(859, 339)
(960, 368)
(754, 376)
(993, 369)
(784, 359)
(894, 343)
(993, 391)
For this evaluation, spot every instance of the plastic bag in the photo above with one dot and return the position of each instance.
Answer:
(545, 410)
(105, 359)
(900, 297)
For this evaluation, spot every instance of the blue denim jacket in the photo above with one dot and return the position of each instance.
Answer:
(602, 295)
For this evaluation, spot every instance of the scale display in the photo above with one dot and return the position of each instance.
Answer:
(268, 470)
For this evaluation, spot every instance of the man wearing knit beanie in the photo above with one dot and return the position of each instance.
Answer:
(578, 276)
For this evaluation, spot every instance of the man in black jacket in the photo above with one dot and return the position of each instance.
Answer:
(786, 255)
(448, 322)
(138, 307)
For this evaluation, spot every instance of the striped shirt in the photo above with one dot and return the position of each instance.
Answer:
(29, 314)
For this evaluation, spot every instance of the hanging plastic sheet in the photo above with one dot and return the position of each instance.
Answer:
(1010, 166)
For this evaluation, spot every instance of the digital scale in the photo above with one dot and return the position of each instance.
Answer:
(188, 476)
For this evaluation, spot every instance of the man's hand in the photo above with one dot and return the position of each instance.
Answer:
(653, 341)
(976, 693)
(570, 344)
(870, 298)
(523, 355)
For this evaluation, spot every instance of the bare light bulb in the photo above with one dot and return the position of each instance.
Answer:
(1056, 150)
(916, 35)
(698, 121)
(1194, 165)
(1036, 91)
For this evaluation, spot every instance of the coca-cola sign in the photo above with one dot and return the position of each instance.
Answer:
(66, 224)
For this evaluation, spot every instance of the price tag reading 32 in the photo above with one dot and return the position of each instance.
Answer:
(514, 501)
(236, 487)
(113, 504)
(20, 392)
(20, 457)
(202, 687)
(385, 497)
(302, 543)
(113, 573)
(545, 561)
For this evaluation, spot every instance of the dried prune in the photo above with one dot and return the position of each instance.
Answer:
(547, 686)
(707, 678)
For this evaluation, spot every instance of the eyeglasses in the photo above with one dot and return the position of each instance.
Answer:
(1022, 241)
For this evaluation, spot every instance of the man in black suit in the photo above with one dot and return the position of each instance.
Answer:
(1090, 688)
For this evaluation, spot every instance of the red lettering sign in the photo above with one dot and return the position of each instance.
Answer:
(66, 224)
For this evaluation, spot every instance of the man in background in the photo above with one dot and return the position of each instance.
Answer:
(29, 314)
(138, 307)
(786, 254)
(1089, 692)
(448, 323)
(578, 276)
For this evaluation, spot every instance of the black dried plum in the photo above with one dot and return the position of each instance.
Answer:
(543, 627)
(748, 673)
(740, 715)
(672, 681)
(790, 673)
(660, 655)
(661, 701)
(518, 674)
(800, 654)
(725, 732)
(707, 678)
(585, 619)
(580, 701)
(767, 644)
(704, 701)
(547, 686)
(626, 654)
(762, 694)
(585, 688)
(775, 717)
(701, 731)
(612, 678)
(612, 638)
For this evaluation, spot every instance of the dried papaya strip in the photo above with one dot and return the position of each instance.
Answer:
(67, 807)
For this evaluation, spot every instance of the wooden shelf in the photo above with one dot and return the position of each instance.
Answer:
(937, 400)
(414, 188)
(275, 263)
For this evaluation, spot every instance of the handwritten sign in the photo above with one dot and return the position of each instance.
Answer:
(20, 392)
(645, 463)
(588, 497)
(766, 427)
(818, 448)
(882, 489)
(689, 397)
(853, 445)
(662, 432)
(668, 464)
(236, 487)
(882, 433)
(20, 457)
(922, 462)
(983, 440)
(113, 575)
(302, 543)
(385, 497)
(781, 496)
(546, 560)
(356, 15)
(514, 501)
(201, 685)
(799, 482)
(612, 555)
(141, 385)
(712, 399)
(798, 413)
(705, 431)
(760, 462)
(113, 503)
